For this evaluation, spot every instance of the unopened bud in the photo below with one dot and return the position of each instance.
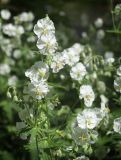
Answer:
(95, 67)
(15, 98)
(9, 94)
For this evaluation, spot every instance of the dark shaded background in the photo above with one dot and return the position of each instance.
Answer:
(73, 9)
(70, 13)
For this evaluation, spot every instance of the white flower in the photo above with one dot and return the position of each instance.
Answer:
(88, 119)
(104, 110)
(47, 44)
(119, 71)
(117, 84)
(82, 158)
(5, 14)
(109, 57)
(100, 34)
(80, 136)
(87, 93)
(109, 54)
(118, 9)
(84, 35)
(110, 60)
(12, 30)
(31, 39)
(38, 90)
(57, 62)
(12, 81)
(30, 16)
(7, 46)
(19, 30)
(117, 125)
(71, 56)
(44, 26)
(17, 53)
(9, 29)
(26, 17)
(78, 72)
(4, 69)
(78, 48)
(99, 22)
(37, 72)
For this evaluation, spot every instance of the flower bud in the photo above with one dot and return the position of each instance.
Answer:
(9, 94)
(15, 98)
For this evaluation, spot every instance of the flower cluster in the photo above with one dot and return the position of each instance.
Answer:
(88, 119)
(78, 71)
(45, 31)
(24, 17)
(87, 93)
(117, 125)
(117, 86)
(117, 81)
(84, 130)
(38, 75)
(69, 56)
(12, 30)
(67, 98)
(87, 122)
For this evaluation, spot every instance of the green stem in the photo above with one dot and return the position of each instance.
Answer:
(113, 19)
(115, 31)
(58, 86)
(38, 157)
(36, 138)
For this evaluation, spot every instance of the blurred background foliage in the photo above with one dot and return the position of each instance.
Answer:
(72, 16)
